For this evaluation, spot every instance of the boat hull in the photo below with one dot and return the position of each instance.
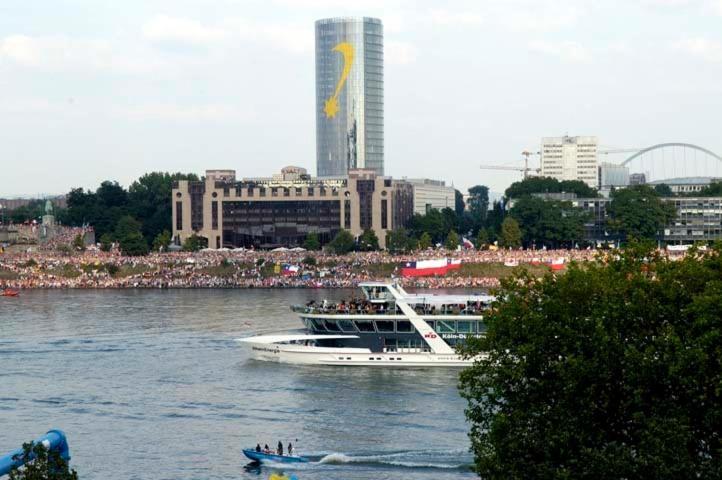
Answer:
(270, 457)
(311, 355)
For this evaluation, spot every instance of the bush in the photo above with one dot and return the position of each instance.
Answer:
(342, 243)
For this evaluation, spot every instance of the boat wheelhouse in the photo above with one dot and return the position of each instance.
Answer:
(385, 326)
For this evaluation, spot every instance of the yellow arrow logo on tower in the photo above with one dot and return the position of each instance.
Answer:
(330, 107)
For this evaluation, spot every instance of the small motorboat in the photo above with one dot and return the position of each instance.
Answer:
(272, 457)
(9, 292)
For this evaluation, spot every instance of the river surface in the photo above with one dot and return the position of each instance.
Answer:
(151, 385)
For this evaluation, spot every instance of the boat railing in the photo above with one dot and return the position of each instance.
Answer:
(373, 309)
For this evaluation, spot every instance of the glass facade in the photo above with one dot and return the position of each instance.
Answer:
(349, 95)
(279, 223)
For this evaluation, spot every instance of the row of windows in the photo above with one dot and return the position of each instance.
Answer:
(392, 326)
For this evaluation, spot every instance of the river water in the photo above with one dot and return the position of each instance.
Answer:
(151, 385)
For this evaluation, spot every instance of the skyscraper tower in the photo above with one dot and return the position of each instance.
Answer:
(349, 95)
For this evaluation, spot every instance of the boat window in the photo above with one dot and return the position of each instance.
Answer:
(365, 325)
(465, 326)
(432, 324)
(385, 325)
(331, 326)
(317, 324)
(404, 326)
(390, 344)
(445, 326)
(481, 327)
(346, 325)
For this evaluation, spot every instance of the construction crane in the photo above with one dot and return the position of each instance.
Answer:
(525, 169)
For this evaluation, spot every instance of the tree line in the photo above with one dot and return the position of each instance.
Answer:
(139, 218)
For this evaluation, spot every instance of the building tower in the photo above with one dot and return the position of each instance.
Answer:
(570, 158)
(349, 96)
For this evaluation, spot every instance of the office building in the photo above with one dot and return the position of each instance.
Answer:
(349, 96)
(613, 175)
(283, 209)
(637, 179)
(431, 194)
(570, 158)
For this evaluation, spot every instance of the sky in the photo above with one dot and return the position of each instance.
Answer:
(94, 90)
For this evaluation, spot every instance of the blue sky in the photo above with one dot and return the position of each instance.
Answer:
(99, 89)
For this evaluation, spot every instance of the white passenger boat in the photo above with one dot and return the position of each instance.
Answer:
(387, 327)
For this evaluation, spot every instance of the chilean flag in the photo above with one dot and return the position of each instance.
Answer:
(466, 242)
(557, 264)
(425, 268)
(289, 270)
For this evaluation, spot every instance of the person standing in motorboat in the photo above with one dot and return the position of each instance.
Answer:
(290, 449)
(280, 448)
(258, 448)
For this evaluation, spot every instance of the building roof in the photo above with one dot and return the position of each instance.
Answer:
(686, 181)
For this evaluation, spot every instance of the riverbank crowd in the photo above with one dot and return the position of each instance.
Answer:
(39, 268)
(56, 264)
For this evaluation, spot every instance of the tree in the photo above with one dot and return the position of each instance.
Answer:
(663, 190)
(194, 243)
(459, 205)
(79, 243)
(608, 371)
(312, 242)
(397, 241)
(479, 203)
(106, 242)
(425, 241)
(149, 200)
(482, 238)
(368, 241)
(46, 465)
(714, 189)
(532, 185)
(510, 233)
(638, 212)
(161, 242)
(130, 239)
(549, 222)
(342, 243)
(434, 223)
(452, 241)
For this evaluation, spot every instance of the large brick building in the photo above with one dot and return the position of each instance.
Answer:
(281, 210)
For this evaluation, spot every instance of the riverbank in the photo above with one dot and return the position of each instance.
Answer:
(261, 269)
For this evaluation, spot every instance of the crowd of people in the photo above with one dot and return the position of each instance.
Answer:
(47, 268)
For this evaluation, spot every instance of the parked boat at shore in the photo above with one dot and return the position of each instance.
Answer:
(387, 327)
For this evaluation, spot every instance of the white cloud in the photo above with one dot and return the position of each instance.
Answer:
(183, 113)
(399, 53)
(181, 30)
(520, 19)
(446, 17)
(294, 38)
(63, 53)
(568, 50)
(699, 47)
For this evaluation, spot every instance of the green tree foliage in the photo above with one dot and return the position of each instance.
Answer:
(459, 205)
(482, 238)
(130, 239)
(638, 212)
(714, 189)
(510, 235)
(149, 200)
(549, 222)
(79, 243)
(433, 223)
(161, 242)
(479, 203)
(549, 185)
(368, 241)
(494, 218)
(106, 242)
(398, 241)
(452, 241)
(46, 465)
(663, 190)
(425, 241)
(309, 260)
(312, 242)
(195, 243)
(34, 210)
(342, 243)
(611, 370)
